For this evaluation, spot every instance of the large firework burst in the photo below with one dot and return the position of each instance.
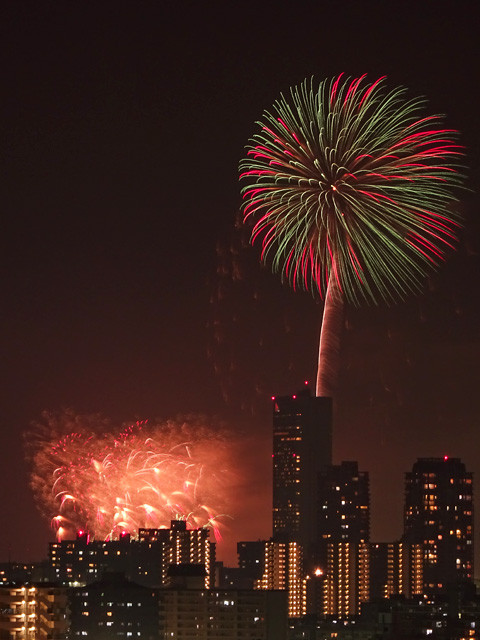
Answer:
(88, 476)
(349, 188)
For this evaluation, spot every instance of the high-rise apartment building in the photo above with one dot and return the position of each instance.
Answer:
(343, 504)
(347, 580)
(439, 515)
(302, 446)
(284, 570)
(190, 546)
(144, 559)
(396, 568)
(343, 525)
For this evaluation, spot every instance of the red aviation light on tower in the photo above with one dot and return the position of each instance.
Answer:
(445, 458)
(83, 535)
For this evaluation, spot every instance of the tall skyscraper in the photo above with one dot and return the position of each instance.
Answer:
(343, 525)
(302, 446)
(439, 515)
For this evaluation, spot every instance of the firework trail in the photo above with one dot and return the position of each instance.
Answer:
(349, 189)
(85, 476)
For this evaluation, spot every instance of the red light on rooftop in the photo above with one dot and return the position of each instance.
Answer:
(294, 397)
(445, 457)
(306, 382)
(273, 397)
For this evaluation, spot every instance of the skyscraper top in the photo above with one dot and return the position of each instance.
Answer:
(302, 446)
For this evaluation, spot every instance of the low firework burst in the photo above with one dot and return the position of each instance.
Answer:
(86, 477)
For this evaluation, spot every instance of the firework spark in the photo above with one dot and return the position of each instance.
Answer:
(349, 189)
(87, 477)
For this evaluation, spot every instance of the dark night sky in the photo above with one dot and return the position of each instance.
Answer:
(123, 124)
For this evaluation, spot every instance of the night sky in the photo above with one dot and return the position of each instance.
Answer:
(125, 287)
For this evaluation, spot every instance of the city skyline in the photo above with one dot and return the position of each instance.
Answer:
(433, 556)
(122, 296)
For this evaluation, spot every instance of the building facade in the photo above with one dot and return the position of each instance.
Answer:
(144, 559)
(342, 551)
(284, 570)
(18, 612)
(439, 515)
(232, 614)
(114, 607)
(343, 506)
(33, 612)
(396, 568)
(302, 446)
(347, 579)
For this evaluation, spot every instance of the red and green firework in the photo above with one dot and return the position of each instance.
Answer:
(352, 182)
